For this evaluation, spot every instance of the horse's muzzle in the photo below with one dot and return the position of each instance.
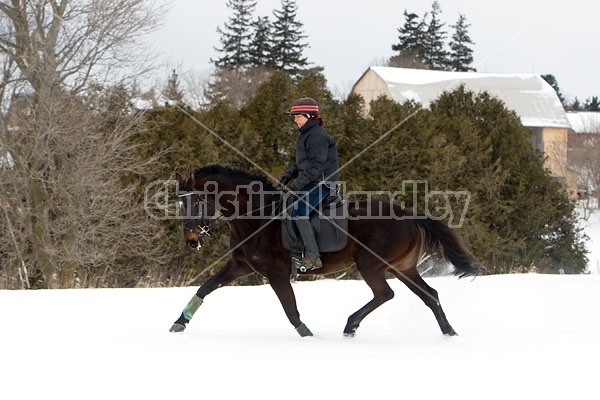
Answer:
(192, 240)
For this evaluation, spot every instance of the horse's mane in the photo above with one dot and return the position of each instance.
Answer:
(238, 176)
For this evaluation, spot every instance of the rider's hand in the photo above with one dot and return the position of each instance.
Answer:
(285, 178)
(293, 195)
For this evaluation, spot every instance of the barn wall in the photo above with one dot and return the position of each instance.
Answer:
(555, 149)
(555, 144)
(370, 86)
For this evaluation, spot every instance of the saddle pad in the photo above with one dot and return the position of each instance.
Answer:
(330, 229)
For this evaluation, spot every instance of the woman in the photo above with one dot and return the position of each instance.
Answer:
(316, 173)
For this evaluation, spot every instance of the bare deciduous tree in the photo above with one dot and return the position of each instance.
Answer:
(67, 211)
(584, 157)
(235, 85)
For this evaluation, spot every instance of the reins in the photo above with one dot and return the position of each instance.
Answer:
(204, 230)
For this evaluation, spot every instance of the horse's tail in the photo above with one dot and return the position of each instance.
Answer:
(439, 238)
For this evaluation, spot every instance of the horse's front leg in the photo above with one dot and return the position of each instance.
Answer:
(231, 271)
(283, 289)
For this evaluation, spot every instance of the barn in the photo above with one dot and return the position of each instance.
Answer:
(528, 95)
(583, 154)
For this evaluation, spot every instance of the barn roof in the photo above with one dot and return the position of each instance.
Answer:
(532, 98)
(584, 121)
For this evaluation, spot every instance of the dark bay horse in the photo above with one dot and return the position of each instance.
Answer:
(376, 246)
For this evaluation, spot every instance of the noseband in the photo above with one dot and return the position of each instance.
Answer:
(202, 227)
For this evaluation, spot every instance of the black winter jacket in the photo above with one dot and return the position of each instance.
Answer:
(316, 157)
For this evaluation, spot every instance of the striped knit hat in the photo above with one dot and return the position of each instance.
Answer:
(305, 105)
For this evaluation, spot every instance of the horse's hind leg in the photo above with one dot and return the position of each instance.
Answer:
(429, 295)
(231, 271)
(382, 292)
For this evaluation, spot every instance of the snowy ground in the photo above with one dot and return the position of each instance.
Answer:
(521, 336)
(592, 229)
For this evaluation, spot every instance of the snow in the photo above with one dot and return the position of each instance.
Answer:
(6, 160)
(413, 76)
(411, 95)
(584, 121)
(521, 336)
(591, 228)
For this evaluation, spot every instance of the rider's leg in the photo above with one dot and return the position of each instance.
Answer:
(312, 259)
(308, 201)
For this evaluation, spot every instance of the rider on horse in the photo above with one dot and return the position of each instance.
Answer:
(316, 173)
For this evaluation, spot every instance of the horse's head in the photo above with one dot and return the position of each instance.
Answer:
(195, 212)
(217, 190)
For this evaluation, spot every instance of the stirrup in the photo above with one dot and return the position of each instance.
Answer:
(297, 265)
(309, 265)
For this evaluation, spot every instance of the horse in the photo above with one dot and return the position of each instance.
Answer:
(375, 246)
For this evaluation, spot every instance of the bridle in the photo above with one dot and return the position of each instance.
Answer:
(202, 223)
(202, 227)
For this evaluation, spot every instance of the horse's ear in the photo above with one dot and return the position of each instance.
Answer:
(178, 176)
(192, 179)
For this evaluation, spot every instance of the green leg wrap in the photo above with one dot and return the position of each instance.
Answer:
(192, 307)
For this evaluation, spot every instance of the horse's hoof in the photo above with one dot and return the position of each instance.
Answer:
(303, 330)
(177, 328)
(349, 334)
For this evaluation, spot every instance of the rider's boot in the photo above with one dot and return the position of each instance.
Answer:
(312, 259)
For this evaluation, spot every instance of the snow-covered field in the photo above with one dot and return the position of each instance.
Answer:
(521, 336)
(592, 229)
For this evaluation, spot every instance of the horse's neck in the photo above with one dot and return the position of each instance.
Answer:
(255, 207)
(253, 213)
(262, 206)
(246, 228)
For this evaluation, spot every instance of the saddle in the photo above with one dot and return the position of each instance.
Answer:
(329, 222)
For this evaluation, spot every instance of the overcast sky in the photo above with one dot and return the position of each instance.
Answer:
(559, 37)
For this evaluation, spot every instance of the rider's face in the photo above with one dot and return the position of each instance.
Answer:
(300, 120)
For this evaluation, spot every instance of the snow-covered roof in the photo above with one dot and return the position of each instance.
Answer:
(584, 121)
(532, 98)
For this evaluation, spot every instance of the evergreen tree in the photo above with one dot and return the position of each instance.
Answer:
(554, 83)
(235, 36)
(410, 46)
(288, 40)
(435, 55)
(592, 104)
(267, 123)
(519, 215)
(461, 53)
(172, 91)
(239, 72)
(575, 105)
(260, 52)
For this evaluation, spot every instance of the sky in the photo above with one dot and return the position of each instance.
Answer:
(520, 337)
(557, 37)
